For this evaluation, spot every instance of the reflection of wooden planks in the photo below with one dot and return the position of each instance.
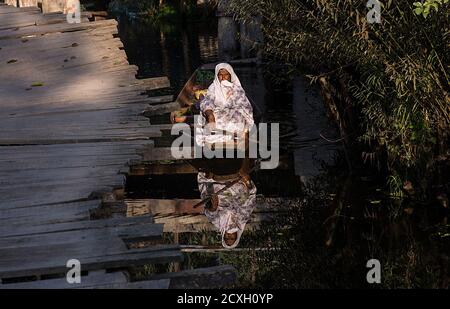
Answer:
(180, 216)
(177, 167)
(198, 223)
(157, 207)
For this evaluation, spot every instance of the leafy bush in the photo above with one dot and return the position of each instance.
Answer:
(394, 76)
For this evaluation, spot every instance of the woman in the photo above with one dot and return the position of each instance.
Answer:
(226, 107)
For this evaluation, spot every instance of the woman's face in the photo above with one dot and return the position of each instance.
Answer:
(230, 239)
(224, 75)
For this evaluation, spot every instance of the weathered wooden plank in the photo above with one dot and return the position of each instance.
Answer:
(52, 259)
(70, 102)
(42, 199)
(54, 127)
(79, 139)
(20, 182)
(44, 29)
(23, 154)
(90, 137)
(62, 40)
(102, 36)
(41, 52)
(160, 99)
(92, 280)
(152, 153)
(31, 12)
(129, 234)
(28, 3)
(38, 166)
(201, 278)
(24, 20)
(38, 195)
(31, 230)
(50, 214)
(65, 176)
(61, 59)
(149, 285)
(48, 210)
(105, 281)
(8, 9)
(54, 6)
(161, 109)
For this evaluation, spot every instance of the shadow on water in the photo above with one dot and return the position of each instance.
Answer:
(328, 230)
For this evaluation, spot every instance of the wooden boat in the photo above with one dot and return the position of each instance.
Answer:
(189, 100)
(192, 93)
(196, 88)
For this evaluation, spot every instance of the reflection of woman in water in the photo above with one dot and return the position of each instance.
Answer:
(226, 107)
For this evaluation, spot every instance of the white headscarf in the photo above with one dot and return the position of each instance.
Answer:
(220, 89)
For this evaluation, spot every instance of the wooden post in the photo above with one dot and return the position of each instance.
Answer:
(250, 38)
(49, 6)
(227, 33)
(176, 240)
(12, 2)
(27, 3)
(22, 3)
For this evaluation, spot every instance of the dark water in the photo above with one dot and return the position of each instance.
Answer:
(174, 50)
(177, 50)
(340, 222)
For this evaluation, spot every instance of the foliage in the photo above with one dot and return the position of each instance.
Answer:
(395, 74)
(425, 8)
(156, 11)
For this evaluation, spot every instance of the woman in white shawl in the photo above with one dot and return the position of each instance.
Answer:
(226, 107)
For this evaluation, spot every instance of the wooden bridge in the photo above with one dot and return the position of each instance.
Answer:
(71, 118)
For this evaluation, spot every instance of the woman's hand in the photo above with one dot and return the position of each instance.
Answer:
(210, 121)
(172, 117)
(209, 115)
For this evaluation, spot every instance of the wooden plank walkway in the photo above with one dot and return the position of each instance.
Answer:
(71, 117)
